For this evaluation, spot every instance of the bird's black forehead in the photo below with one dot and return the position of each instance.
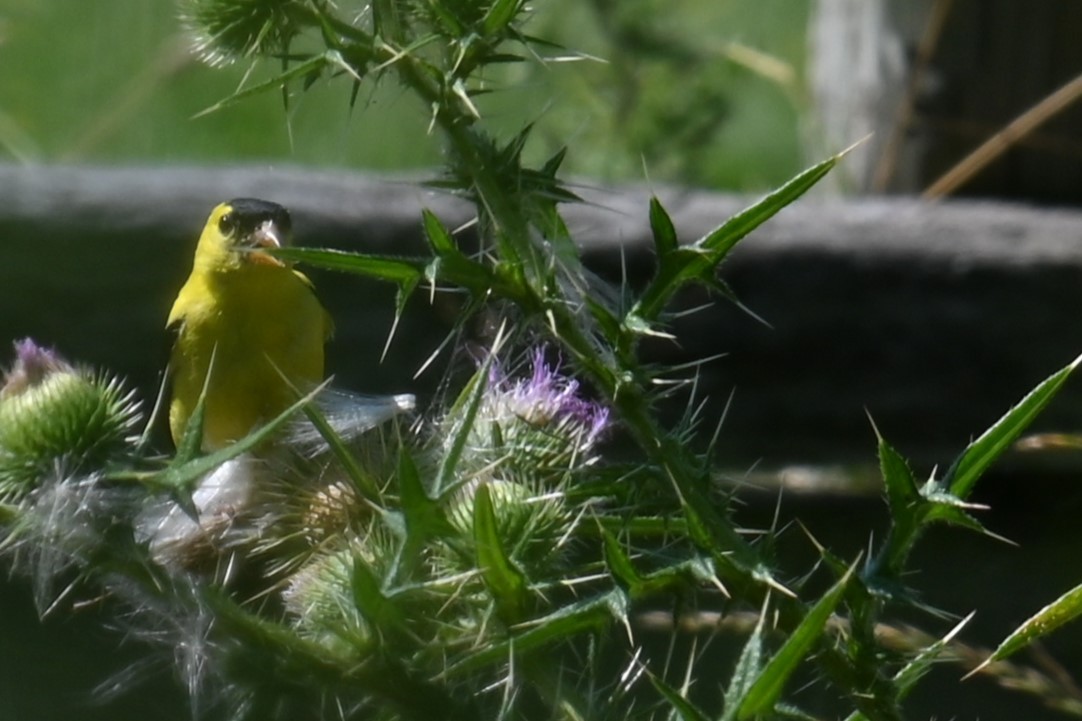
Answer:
(249, 212)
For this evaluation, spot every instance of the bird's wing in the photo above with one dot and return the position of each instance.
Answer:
(173, 330)
(161, 405)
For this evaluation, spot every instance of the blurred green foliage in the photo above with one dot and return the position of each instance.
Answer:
(705, 92)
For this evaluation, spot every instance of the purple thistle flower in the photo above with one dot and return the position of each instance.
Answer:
(549, 400)
(555, 397)
(32, 364)
(55, 415)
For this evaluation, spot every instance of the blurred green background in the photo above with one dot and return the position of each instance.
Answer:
(704, 92)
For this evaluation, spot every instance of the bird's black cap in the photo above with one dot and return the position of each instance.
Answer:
(250, 212)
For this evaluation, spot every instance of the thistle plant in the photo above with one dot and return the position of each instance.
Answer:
(487, 558)
(55, 417)
(61, 428)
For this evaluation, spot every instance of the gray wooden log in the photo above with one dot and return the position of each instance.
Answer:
(934, 318)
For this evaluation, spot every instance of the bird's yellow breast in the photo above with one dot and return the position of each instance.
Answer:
(259, 322)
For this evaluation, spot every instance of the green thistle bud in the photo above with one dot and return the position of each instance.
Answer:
(321, 600)
(54, 414)
(300, 518)
(310, 502)
(531, 526)
(229, 30)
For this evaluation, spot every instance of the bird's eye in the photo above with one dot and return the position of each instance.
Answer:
(227, 224)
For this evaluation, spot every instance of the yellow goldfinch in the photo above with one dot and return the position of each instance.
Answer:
(257, 317)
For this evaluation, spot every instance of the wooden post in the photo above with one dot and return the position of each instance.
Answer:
(934, 79)
(858, 70)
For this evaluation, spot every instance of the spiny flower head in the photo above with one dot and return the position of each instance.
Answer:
(536, 429)
(548, 398)
(321, 597)
(228, 30)
(55, 414)
(532, 527)
(530, 436)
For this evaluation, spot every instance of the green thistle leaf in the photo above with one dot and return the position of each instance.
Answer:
(500, 14)
(765, 690)
(1065, 608)
(465, 409)
(377, 608)
(423, 516)
(505, 581)
(684, 709)
(981, 453)
(698, 262)
(184, 473)
(665, 240)
(307, 68)
(402, 271)
(748, 668)
(564, 623)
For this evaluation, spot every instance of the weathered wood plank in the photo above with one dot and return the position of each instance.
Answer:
(933, 317)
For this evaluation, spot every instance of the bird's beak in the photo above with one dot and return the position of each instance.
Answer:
(266, 236)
